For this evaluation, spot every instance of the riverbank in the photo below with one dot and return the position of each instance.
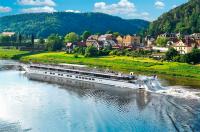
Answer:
(146, 66)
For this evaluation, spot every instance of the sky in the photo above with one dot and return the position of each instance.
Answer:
(127, 9)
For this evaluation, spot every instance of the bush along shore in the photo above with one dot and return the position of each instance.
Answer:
(139, 65)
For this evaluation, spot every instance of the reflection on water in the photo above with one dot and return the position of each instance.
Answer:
(34, 106)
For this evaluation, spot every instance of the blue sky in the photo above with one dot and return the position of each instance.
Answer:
(128, 9)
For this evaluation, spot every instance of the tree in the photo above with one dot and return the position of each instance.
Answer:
(171, 53)
(115, 34)
(19, 41)
(161, 41)
(4, 39)
(71, 37)
(91, 51)
(85, 35)
(32, 41)
(41, 41)
(54, 42)
(193, 57)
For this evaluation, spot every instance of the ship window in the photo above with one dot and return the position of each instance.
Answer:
(76, 76)
(45, 72)
(93, 79)
(70, 76)
(89, 78)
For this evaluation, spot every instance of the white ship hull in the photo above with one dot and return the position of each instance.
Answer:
(43, 75)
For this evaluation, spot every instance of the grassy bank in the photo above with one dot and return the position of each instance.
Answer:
(124, 64)
(10, 53)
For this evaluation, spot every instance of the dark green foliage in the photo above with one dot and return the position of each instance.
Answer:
(75, 55)
(161, 41)
(170, 54)
(193, 57)
(79, 50)
(91, 51)
(32, 41)
(54, 42)
(135, 53)
(4, 39)
(41, 41)
(44, 24)
(85, 35)
(184, 19)
(71, 37)
(104, 52)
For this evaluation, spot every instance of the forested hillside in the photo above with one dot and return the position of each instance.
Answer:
(184, 19)
(44, 24)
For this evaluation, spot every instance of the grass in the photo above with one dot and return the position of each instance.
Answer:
(118, 63)
(124, 64)
(10, 53)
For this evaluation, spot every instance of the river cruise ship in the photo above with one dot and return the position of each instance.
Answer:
(64, 72)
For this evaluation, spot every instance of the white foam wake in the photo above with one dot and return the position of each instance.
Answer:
(179, 91)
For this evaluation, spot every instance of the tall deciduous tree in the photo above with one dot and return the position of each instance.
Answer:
(71, 37)
(161, 41)
(54, 42)
(171, 53)
(85, 35)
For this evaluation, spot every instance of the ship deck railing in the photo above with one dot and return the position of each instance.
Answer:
(85, 75)
(85, 72)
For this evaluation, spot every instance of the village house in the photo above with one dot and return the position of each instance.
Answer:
(184, 46)
(149, 41)
(93, 39)
(108, 43)
(70, 46)
(128, 41)
(105, 37)
(196, 37)
(170, 36)
(119, 40)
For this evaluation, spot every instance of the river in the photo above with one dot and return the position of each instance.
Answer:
(28, 105)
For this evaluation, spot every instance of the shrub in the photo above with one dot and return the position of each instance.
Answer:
(91, 51)
(170, 54)
(75, 55)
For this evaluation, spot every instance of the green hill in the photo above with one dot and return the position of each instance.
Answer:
(44, 24)
(184, 19)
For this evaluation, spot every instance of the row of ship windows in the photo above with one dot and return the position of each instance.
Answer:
(71, 76)
(84, 78)
(58, 74)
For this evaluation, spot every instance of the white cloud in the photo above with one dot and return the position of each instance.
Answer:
(123, 7)
(5, 9)
(39, 9)
(174, 6)
(73, 11)
(159, 4)
(37, 2)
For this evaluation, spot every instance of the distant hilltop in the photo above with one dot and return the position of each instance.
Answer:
(44, 24)
(184, 19)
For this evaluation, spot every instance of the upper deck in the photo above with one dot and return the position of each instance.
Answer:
(82, 70)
